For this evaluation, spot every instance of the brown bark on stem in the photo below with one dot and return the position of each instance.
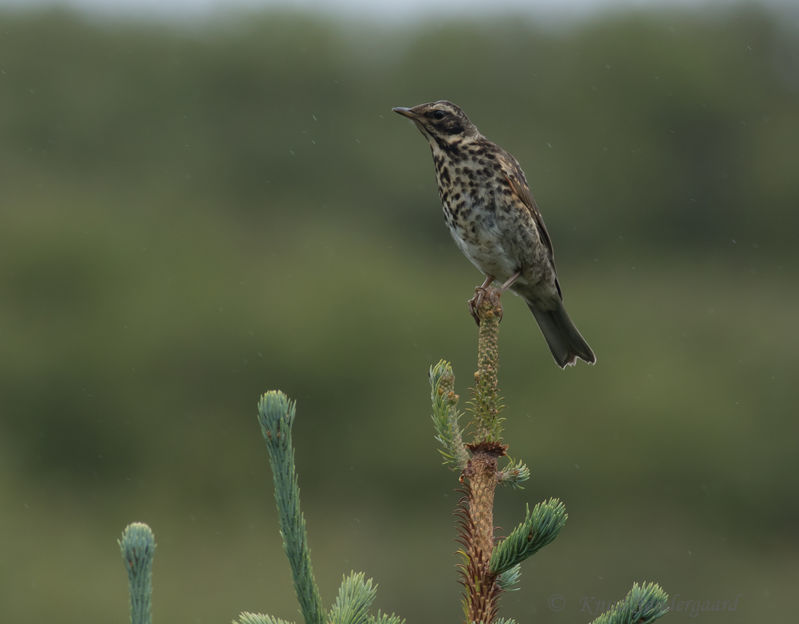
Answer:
(481, 475)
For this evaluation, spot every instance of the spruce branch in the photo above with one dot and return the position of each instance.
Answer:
(137, 545)
(355, 596)
(539, 528)
(258, 618)
(385, 618)
(276, 417)
(480, 476)
(446, 416)
(488, 567)
(643, 604)
(508, 580)
(514, 474)
(486, 403)
(476, 534)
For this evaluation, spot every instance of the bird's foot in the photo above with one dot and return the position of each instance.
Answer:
(479, 294)
(474, 303)
(485, 300)
(494, 294)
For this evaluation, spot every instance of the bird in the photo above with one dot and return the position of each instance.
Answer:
(490, 212)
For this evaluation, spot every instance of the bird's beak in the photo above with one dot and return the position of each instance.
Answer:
(405, 112)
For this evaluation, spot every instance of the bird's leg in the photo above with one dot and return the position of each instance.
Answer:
(479, 293)
(509, 282)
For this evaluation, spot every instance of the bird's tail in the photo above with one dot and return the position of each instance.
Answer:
(562, 336)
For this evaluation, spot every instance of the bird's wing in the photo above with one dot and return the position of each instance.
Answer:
(518, 185)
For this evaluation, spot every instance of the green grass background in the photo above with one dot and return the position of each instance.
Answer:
(194, 214)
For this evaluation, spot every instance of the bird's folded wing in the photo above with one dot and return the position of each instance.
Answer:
(518, 184)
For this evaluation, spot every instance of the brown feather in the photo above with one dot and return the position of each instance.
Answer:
(518, 185)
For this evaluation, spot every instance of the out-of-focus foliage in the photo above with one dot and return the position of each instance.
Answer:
(191, 215)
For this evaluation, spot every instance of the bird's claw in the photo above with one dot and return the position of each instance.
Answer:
(474, 303)
(480, 293)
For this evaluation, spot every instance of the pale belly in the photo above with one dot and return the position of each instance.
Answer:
(488, 251)
(494, 239)
(501, 243)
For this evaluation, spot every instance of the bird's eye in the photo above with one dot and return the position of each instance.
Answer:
(439, 114)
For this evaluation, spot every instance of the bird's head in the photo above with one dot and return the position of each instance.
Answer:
(441, 122)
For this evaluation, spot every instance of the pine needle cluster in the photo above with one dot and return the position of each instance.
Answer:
(489, 566)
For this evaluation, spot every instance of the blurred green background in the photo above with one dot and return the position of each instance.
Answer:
(194, 214)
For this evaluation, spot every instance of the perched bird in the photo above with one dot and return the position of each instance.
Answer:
(495, 221)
